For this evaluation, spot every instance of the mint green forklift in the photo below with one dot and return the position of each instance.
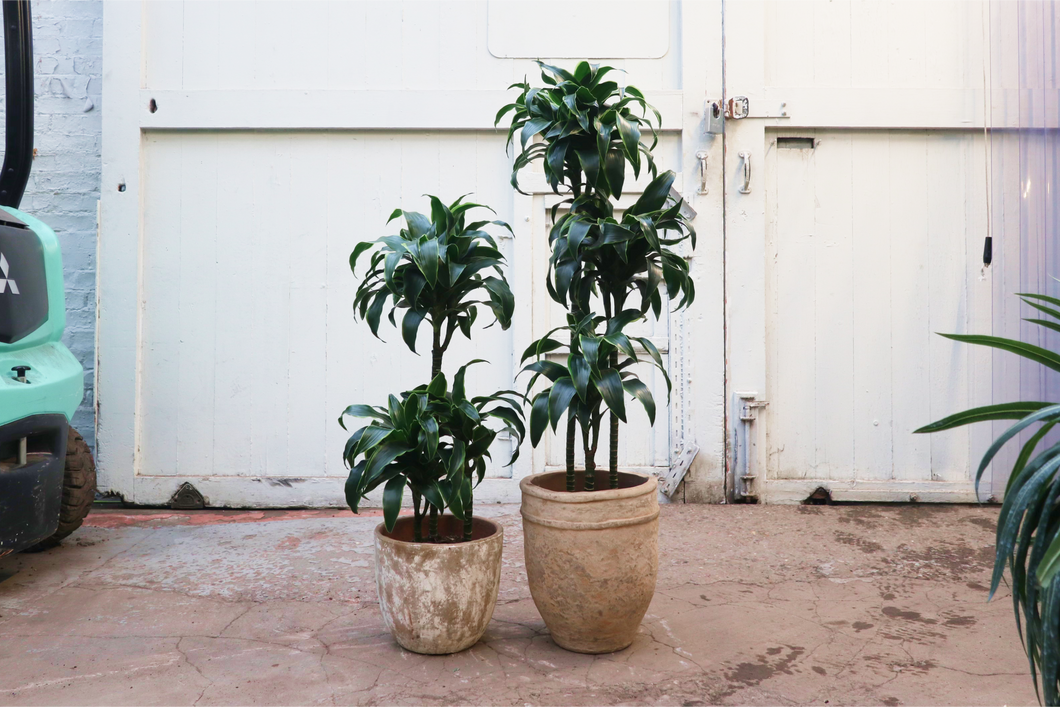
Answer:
(47, 474)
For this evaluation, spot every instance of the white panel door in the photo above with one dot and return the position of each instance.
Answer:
(248, 146)
(856, 233)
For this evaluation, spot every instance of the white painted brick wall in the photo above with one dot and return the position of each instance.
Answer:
(64, 184)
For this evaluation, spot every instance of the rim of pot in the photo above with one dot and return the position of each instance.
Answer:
(380, 532)
(527, 486)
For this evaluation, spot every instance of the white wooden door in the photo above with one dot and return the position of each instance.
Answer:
(858, 236)
(249, 145)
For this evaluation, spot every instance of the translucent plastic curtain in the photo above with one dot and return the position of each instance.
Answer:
(1023, 120)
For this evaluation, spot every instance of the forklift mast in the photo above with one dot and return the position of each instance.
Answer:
(18, 67)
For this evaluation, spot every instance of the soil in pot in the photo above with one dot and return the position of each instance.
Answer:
(591, 557)
(438, 598)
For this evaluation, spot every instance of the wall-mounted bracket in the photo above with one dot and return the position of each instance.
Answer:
(745, 472)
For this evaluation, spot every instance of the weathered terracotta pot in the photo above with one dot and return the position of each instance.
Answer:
(591, 557)
(438, 598)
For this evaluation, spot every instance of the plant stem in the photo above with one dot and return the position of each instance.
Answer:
(432, 529)
(590, 463)
(571, 420)
(612, 471)
(417, 518)
(468, 523)
(613, 441)
(436, 348)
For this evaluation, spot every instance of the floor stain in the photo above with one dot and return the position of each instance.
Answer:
(863, 544)
(894, 612)
(753, 673)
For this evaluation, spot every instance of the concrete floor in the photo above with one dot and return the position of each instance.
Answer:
(755, 605)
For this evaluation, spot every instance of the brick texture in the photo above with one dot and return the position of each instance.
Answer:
(64, 185)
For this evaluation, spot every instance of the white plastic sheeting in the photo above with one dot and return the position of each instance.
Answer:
(1023, 78)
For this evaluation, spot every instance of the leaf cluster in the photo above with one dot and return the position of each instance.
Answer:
(1028, 526)
(436, 269)
(432, 439)
(590, 379)
(617, 258)
(590, 127)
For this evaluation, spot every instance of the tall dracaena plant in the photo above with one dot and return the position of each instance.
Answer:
(589, 131)
(440, 270)
(1028, 526)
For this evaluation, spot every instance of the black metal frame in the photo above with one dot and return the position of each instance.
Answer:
(31, 496)
(18, 67)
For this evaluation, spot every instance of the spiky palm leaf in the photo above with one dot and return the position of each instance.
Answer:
(1028, 526)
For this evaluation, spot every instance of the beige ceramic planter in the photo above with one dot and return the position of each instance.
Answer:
(591, 557)
(438, 598)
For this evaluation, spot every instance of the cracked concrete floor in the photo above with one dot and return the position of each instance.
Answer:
(755, 605)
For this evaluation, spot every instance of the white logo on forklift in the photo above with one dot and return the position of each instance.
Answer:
(5, 281)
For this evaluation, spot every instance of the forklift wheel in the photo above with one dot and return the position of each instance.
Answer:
(79, 490)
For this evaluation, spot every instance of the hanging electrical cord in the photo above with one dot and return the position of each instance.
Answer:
(988, 58)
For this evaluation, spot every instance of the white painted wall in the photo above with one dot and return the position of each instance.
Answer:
(63, 188)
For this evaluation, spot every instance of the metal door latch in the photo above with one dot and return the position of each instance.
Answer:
(737, 107)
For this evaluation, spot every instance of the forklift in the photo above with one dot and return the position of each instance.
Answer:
(47, 474)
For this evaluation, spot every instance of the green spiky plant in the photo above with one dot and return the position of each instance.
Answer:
(1028, 526)
(589, 129)
(434, 440)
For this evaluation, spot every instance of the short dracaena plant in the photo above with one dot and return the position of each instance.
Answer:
(437, 269)
(1028, 526)
(590, 128)
(440, 269)
(435, 441)
(587, 131)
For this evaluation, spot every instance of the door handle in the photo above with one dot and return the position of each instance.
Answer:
(746, 157)
(702, 157)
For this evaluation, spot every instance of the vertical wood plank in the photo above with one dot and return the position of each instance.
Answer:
(872, 297)
(911, 274)
(833, 311)
(794, 410)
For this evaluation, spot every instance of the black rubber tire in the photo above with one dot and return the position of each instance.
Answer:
(79, 490)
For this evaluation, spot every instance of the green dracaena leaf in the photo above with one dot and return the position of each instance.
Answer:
(1003, 411)
(609, 383)
(538, 417)
(559, 397)
(579, 373)
(1037, 354)
(541, 347)
(459, 395)
(654, 195)
(638, 390)
(392, 494)
(410, 326)
(357, 250)
(437, 387)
